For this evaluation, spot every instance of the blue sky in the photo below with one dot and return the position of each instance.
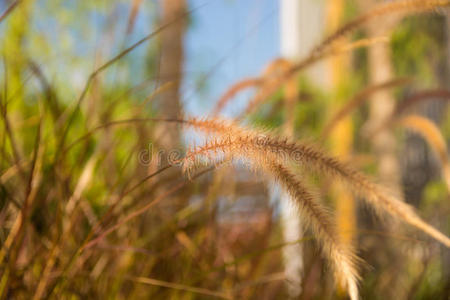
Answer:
(228, 40)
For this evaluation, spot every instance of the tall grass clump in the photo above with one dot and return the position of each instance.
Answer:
(96, 202)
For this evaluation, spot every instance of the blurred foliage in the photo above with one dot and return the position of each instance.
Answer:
(73, 190)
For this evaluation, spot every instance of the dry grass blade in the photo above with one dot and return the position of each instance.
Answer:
(180, 287)
(358, 100)
(159, 90)
(13, 244)
(264, 279)
(135, 5)
(83, 182)
(50, 95)
(10, 133)
(9, 10)
(12, 171)
(116, 123)
(431, 133)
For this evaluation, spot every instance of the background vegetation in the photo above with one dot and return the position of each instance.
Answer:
(90, 208)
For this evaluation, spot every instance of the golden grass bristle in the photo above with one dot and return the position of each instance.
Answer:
(233, 90)
(431, 133)
(262, 143)
(215, 126)
(341, 257)
(273, 83)
(404, 7)
(270, 78)
(416, 98)
(421, 96)
(361, 43)
(358, 100)
(270, 72)
(336, 50)
(279, 71)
